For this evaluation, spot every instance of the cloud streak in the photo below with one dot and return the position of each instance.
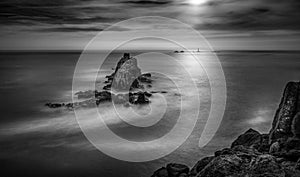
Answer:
(84, 18)
(215, 14)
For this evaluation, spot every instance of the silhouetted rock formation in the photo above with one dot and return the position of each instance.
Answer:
(126, 74)
(127, 77)
(286, 113)
(258, 155)
(253, 139)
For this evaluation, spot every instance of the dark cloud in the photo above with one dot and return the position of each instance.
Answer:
(251, 15)
(215, 14)
(148, 2)
(70, 29)
(80, 29)
(53, 12)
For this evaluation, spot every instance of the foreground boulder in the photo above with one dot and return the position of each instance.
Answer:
(177, 170)
(253, 139)
(200, 165)
(252, 154)
(172, 170)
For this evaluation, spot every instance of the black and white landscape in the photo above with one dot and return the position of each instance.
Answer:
(257, 43)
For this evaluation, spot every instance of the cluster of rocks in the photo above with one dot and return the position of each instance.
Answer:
(252, 154)
(124, 86)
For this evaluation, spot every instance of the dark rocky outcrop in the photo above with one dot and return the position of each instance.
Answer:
(162, 172)
(285, 114)
(127, 77)
(252, 154)
(200, 165)
(177, 170)
(172, 170)
(251, 138)
(126, 74)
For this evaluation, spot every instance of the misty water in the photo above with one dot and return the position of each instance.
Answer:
(35, 139)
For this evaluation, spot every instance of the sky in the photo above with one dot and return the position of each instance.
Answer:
(226, 24)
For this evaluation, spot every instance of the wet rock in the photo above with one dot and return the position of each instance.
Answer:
(54, 105)
(126, 57)
(120, 98)
(292, 144)
(296, 126)
(297, 165)
(274, 148)
(145, 78)
(162, 172)
(261, 155)
(264, 144)
(107, 87)
(288, 108)
(85, 94)
(159, 92)
(200, 165)
(141, 99)
(175, 170)
(266, 165)
(292, 155)
(146, 75)
(126, 75)
(221, 166)
(251, 138)
(103, 96)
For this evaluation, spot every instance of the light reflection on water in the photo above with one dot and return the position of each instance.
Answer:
(36, 137)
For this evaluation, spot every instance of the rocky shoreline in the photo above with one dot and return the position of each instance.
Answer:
(276, 154)
(126, 85)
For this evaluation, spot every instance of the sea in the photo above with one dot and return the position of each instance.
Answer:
(39, 141)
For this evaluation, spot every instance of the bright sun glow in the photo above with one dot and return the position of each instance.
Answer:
(196, 2)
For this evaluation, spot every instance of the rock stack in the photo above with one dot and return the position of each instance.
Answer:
(123, 86)
(252, 154)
